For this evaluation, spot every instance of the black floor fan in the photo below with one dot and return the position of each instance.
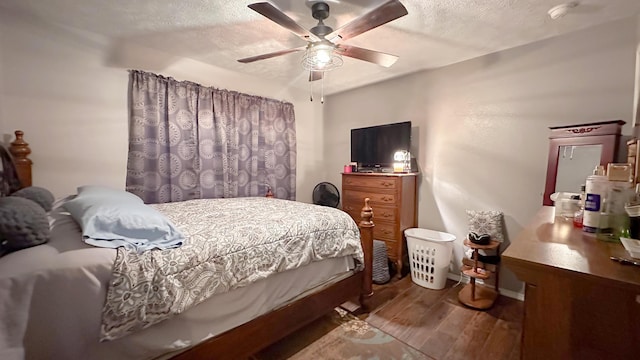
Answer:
(326, 194)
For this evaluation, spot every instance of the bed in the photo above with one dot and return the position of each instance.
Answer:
(52, 296)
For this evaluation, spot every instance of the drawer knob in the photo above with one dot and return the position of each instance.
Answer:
(386, 215)
(387, 184)
(387, 199)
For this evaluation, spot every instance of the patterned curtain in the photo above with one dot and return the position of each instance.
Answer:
(187, 141)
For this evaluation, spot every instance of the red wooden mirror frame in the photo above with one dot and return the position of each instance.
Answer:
(606, 133)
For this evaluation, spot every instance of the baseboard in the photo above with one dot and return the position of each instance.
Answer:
(505, 292)
(512, 294)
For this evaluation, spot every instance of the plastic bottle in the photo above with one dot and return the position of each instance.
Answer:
(596, 189)
(577, 217)
(613, 217)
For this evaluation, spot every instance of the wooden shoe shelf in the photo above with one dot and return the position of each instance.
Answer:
(473, 295)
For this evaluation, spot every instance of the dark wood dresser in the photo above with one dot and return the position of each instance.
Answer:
(579, 304)
(394, 202)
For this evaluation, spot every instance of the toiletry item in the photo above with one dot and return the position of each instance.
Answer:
(577, 217)
(566, 204)
(619, 172)
(633, 210)
(613, 217)
(596, 189)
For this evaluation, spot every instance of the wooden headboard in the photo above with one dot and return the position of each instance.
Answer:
(20, 151)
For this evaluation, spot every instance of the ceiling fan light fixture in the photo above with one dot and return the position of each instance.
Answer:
(321, 57)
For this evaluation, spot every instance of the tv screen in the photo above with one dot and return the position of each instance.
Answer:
(375, 146)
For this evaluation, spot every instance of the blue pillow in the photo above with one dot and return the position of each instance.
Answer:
(114, 218)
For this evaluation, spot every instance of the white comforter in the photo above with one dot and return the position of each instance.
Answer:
(230, 243)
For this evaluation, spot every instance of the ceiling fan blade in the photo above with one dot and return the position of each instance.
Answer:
(270, 55)
(384, 13)
(371, 56)
(315, 75)
(272, 13)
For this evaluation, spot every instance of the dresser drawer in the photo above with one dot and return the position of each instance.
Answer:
(357, 197)
(369, 182)
(382, 230)
(379, 213)
(385, 231)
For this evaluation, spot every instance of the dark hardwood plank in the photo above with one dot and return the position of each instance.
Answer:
(382, 316)
(382, 294)
(472, 338)
(404, 318)
(425, 322)
(439, 344)
(455, 323)
(501, 341)
(436, 324)
(434, 321)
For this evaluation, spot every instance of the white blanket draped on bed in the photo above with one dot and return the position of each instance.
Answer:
(231, 243)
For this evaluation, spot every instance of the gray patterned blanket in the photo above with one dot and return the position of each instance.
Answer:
(230, 243)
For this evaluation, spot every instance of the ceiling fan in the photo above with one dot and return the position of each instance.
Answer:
(324, 45)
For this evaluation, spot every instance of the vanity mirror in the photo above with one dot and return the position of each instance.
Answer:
(575, 150)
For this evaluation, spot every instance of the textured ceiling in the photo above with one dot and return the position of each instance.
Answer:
(435, 33)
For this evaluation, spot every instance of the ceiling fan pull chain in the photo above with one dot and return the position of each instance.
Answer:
(322, 90)
(311, 91)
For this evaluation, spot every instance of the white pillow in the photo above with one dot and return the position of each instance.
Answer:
(113, 218)
(486, 222)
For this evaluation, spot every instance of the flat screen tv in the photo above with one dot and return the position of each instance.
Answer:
(373, 147)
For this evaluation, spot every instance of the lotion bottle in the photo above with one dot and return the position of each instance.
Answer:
(597, 187)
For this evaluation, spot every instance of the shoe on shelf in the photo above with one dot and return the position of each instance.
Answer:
(479, 239)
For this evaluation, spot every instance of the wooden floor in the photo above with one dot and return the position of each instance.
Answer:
(435, 323)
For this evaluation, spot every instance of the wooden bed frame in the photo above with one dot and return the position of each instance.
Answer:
(249, 338)
(20, 151)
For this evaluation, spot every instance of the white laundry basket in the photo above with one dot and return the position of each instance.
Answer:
(429, 256)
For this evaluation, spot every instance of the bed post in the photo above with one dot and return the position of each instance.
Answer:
(19, 149)
(366, 238)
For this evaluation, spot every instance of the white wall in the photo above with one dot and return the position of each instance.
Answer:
(636, 96)
(482, 125)
(67, 90)
(3, 34)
